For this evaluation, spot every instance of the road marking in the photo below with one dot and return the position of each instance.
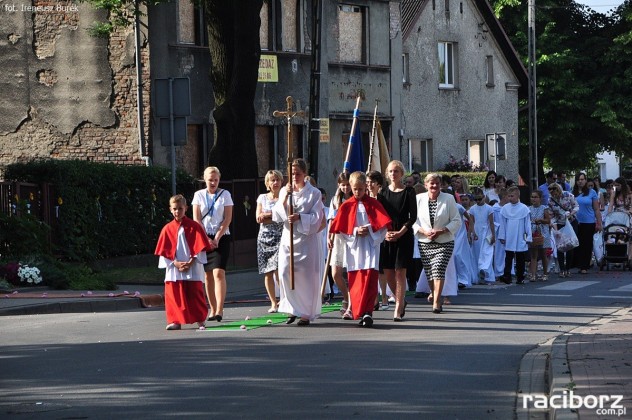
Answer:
(569, 285)
(627, 288)
(539, 295)
(477, 293)
(612, 297)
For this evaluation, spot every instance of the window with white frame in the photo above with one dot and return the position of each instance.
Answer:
(351, 33)
(447, 64)
(420, 155)
(489, 67)
(405, 74)
(476, 152)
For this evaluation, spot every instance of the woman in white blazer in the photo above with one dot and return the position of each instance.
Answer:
(437, 222)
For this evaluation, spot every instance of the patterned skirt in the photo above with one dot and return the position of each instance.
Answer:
(435, 257)
(268, 247)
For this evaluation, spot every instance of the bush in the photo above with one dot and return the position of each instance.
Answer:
(103, 210)
(22, 235)
(463, 165)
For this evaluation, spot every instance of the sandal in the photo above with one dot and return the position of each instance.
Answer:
(347, 315)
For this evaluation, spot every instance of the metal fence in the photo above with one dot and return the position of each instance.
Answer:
(40, 200)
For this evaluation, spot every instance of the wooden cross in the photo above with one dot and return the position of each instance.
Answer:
(289, 113)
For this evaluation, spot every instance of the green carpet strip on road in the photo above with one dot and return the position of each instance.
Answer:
(262, 321)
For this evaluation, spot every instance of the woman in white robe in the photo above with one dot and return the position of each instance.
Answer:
(304, 301)
(463, 261)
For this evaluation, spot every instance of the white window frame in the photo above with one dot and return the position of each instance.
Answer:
(420, 144)
(405, 68)
(446, 52)
(472, 146)
(489, 71)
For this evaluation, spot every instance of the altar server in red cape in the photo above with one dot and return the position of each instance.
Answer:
(182, 247)
(362, 222)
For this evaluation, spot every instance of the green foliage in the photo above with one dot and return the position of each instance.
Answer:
(22, 235)
(121, 13)
(584, 81)
(83, 278)
(104, 210)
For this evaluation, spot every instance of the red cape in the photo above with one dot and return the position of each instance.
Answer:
(194, 233)
(346, 217)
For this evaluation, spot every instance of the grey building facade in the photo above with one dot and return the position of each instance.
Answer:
(462, 84)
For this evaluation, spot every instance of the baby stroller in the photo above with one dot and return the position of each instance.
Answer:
(617, 233)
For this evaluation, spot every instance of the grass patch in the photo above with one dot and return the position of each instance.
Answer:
(135, 275)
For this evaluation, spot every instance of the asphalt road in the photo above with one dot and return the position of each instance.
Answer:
(461, 364)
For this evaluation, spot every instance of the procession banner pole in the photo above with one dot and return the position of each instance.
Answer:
(373, 132)
(324, 282)
(356, 112)
(289, 114)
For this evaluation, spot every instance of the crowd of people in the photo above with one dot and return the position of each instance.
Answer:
(431, 236)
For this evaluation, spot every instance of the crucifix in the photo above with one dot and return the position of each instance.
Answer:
(289, 113)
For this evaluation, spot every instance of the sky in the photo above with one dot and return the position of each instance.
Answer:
(601, 6)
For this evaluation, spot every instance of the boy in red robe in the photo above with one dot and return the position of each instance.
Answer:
(362, 223)
(182, 247)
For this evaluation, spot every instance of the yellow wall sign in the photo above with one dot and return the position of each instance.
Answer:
(324, 130)
(268, 69)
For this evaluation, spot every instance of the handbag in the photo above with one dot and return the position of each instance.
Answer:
(565, 238)
(538, 238)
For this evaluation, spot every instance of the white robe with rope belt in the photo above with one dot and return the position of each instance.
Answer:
(305, 300)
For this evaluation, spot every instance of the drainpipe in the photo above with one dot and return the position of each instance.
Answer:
(139, 86)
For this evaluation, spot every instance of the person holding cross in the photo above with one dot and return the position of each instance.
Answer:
(300, 287)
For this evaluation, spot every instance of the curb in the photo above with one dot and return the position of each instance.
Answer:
(532, 381)
(92, 305)
(560, 380)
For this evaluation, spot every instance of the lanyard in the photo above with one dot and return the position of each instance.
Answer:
(211, 207)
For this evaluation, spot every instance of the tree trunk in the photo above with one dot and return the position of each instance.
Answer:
(233, 30)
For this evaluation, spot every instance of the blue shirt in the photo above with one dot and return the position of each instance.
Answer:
(586, 213)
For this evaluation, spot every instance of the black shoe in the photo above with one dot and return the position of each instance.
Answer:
(302, 322)
(367, 321)
(397, 319)
(218, 318)
(506, 280)
(519, 281)
(290, 319)
(461, 286)
(437, 310)
(212, 318)
(376, 307)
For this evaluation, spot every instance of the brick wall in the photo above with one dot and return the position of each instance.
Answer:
(81, 101)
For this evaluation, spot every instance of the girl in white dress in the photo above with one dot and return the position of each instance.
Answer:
(483, 238)
(337, 245)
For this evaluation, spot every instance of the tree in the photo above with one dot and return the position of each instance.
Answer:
(580, 99)
(233, 30)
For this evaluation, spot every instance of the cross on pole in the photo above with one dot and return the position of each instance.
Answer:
(289, 114)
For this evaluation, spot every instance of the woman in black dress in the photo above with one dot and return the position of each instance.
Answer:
(397, 250)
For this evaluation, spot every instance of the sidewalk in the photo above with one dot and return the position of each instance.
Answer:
(576, 369)
(595, 361)
(41, 300)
